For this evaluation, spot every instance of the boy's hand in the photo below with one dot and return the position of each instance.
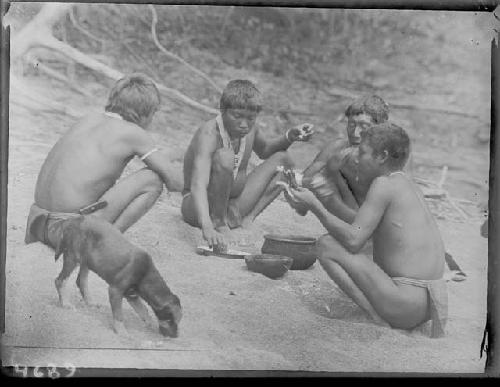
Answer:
(302, 132)
(214, 239)
(305, 197)
(299, 207)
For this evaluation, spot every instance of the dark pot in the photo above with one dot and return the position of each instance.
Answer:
(301, 249)
(272, 266)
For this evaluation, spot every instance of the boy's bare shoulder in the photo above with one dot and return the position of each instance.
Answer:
(127, 126)
(391, 186)
(334, 148)
(206, 134)
(382, 186)
(208, 128)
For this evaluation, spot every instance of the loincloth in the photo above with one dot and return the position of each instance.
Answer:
(438, 301)
(45, 226)
(234, 218)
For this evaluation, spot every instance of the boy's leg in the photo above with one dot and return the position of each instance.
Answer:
(260, 188)
(342, 279)
(218, 191)
(402, 306)
(130, 198)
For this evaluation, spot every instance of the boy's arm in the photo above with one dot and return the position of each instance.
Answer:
(204, 147)
(354, 236)
(331, 150)
(158, 161)
(336, 206)
(265, 147)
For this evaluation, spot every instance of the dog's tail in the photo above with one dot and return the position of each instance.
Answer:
(59, 250)
(61, 245)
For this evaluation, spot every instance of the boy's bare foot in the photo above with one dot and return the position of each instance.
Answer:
(247, 222)
(225, 230)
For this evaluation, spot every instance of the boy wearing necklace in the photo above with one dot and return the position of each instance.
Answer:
(80, 174)
(218, 194)
(403, 284)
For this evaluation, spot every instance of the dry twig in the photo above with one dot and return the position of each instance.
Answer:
(74, 20)
(37, 33)
(174, 56)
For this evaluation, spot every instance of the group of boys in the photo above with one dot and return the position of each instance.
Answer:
(355, 186)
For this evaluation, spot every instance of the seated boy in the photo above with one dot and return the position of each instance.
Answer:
(218, 193)
(332, 174)
(403, 284)
(82, 168)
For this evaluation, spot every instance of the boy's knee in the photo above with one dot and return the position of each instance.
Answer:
(323, 246)
(328, 249)
(152, 181)
(223, 159)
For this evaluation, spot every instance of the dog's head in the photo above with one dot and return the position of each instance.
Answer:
(169, 317)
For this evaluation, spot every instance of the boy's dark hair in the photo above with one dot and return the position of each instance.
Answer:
(391, 138)
(134, 97)
(241, 94)
(372, 105)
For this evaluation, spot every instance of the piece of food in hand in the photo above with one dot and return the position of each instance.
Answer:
(305, 130)
(285, 185)
(290, 178)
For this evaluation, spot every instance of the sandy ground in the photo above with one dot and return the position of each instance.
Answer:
(233, 319)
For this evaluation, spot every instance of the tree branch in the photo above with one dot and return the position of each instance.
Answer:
(73, 19)
(174, 56)
(38, 33)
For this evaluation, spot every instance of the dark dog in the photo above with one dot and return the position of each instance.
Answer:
(129, 271)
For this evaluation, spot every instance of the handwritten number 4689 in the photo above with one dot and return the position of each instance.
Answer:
(51, 371)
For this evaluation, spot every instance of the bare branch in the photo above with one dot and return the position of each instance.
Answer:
(73, 19)
(37, 33)
(139, 58)
(114, 74)
(174, 56)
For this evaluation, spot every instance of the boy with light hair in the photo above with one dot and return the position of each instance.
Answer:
(80, 174)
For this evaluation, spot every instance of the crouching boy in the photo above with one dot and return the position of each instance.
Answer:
(81, 173)
(218, 194)
(403, 284)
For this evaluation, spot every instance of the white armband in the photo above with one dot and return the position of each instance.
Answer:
(149, 153)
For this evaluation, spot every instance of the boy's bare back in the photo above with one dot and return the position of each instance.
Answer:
(86, 162)
(407, 241)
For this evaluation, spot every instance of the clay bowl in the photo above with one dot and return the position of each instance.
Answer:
(301, 249)
(272, 266)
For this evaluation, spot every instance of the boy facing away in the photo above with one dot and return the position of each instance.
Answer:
(218, 194)
(81, 171)
(403, 284)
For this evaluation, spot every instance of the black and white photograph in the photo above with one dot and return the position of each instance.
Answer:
(236, 188)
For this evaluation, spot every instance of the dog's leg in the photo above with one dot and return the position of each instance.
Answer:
(60, 282)
(82, 283)
(141, 310)
(115, 299)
